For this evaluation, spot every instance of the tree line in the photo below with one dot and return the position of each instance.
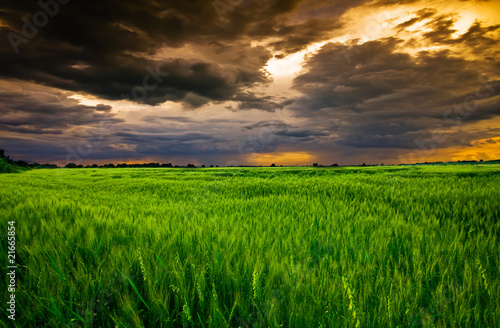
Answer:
(9, 165)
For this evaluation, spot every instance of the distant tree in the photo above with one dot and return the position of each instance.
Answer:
(2, 153)
(203, 166)
(95, 165)
(335, 164)
(480, 161)
(71, 165)
(364, 164)
(49, 166)
(191, 165)
(211, 166)
(273, 165)
(80, 166)
(21, 163)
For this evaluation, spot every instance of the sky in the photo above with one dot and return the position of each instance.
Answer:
(250, 82)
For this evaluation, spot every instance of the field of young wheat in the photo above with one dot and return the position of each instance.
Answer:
(254, 247)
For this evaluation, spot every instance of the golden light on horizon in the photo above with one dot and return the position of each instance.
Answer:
(481, 149)
(485, 149)
(283, 158)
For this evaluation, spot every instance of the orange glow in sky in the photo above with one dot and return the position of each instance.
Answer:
(283, 158)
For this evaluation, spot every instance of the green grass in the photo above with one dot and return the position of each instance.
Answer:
(255, 247)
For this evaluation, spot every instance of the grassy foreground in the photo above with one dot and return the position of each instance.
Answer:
(254, 247)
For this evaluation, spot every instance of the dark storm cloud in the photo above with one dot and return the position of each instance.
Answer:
(251, 101)
(101, 48)
(296, 37)
(420, 16)
(276, 124)
(38, 110)
(105, 48)
(478, 37)
(280, 128)
(133, 137)
(441, 30)
(168, 144)
(18, 127)
(303, 134)
(296, 23)
(129, 78)
(178, 119)
(385, 98)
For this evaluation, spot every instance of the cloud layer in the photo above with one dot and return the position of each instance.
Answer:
(189, 80)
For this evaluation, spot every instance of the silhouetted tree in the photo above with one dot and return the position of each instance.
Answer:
(273, 165)
(48, 166)
(21, 163)
(71, 165)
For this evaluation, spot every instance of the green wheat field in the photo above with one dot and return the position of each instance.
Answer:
(413, 246)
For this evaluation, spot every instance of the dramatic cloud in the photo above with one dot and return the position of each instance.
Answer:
(249, 81)
(107, 48)
(38, 110)
(382, 96)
